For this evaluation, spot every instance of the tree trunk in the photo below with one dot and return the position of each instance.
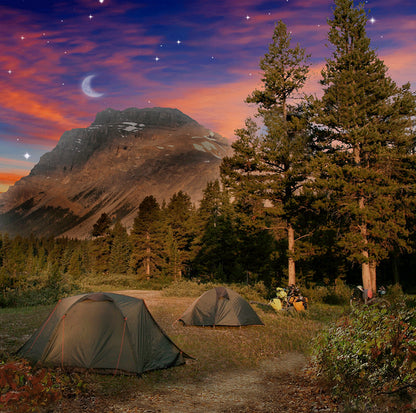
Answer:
(291, 250)
(148, 258)
(365, 266)
(395, 265)
(365, 271)
(148, 264)
(373, 276)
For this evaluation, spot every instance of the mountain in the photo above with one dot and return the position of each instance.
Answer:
(110, 167)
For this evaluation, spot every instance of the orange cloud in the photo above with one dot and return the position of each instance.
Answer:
(222, 107)
(219, 107)
(27, 103)
(9, 178)
(15, 163)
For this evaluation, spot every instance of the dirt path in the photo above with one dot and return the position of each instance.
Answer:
(279, 385)
(273, 387)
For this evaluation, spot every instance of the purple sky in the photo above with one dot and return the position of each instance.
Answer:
(198, 56)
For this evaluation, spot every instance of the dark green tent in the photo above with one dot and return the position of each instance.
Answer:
(109, 332)
(220, 306)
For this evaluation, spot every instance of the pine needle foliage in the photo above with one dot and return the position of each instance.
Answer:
(268, 167)
(364, 136)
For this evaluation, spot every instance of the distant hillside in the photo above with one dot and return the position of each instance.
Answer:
(110, 167)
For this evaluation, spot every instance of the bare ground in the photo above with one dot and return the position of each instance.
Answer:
(277, 385)
(267, 389)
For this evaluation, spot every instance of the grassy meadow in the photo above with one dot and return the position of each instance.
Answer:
(231, 369)
(214, 350)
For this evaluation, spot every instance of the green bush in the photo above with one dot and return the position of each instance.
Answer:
(256, 292)
(188, 288)
(316, 294)
(338, 294)
(371, 351)
(31, 296)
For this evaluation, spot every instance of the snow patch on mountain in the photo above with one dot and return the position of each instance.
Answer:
(131, 126)
(199, 147)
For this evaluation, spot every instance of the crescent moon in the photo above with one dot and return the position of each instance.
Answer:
(87, 89)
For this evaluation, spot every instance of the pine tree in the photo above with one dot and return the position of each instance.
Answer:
(146, 239)
(271, 168)
(216, 245)
(76, 268)
(102, 226)
(180, 221)
(100, 246)
(364, 135)
(120, 249)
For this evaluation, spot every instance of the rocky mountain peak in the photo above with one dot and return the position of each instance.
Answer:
(111, 166)
(160, 117)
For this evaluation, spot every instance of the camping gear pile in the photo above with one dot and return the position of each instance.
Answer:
(361, 296)
(290, 298)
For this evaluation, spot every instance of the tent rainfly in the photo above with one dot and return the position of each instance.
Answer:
(220, 306)
(108, 332)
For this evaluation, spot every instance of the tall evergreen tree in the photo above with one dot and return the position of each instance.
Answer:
(180, 218)
(100, 246)
(364, 135)
(77, 266)
(120, 249)
(271, 168)
(102, 226)
(216, 245)
(147, 239)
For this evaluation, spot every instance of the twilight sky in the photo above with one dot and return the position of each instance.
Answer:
(199, 56)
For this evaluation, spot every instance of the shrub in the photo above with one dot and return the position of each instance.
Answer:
(31, 296)
(371, 351)
(256, 292)
(316, 294)
(337, 294)
(188, 288)
(23, 389)
(395, 293)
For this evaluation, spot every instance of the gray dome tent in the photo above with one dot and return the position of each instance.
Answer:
(109, 332)
(220, 306)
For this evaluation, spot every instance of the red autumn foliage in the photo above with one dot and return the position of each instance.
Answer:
(24, 388)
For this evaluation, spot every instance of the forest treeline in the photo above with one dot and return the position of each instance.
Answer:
(218, 241)
(172, 241)
(317, 188)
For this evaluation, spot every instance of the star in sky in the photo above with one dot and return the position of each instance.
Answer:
(26, 156)
(122, 44)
